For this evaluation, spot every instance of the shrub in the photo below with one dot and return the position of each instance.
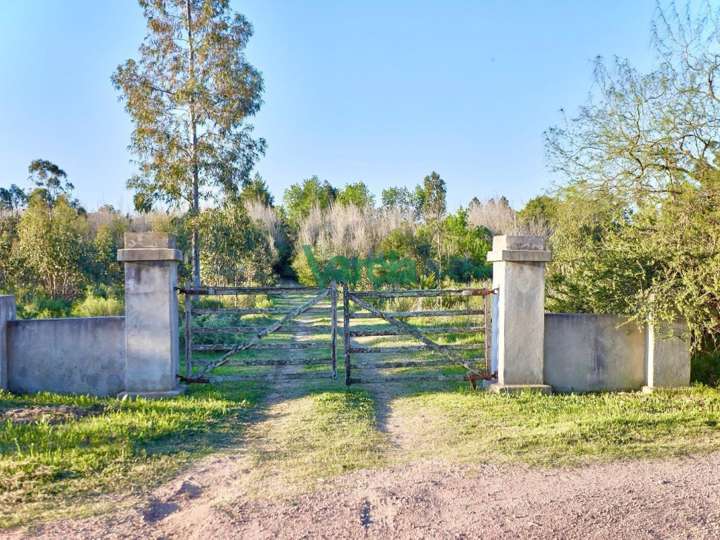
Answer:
(97, 306)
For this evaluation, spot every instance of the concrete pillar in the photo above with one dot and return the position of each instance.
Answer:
(151, 314)
(667, 357)
(7, 313)
(519, 312)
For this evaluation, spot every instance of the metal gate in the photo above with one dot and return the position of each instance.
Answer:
(246, 333)
(467, 320)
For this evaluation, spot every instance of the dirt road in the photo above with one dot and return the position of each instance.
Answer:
(670, 499)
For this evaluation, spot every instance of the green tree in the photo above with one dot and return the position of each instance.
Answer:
(357, 194)
(257, 190)
(466, 248)
(53, 248)
(432, 195)
(300, 198)
(8, 236)
(51, 182)
(539, 213)
(236, 251)
(190, 95)
(12, 199)
(638, 221)
(108, 273)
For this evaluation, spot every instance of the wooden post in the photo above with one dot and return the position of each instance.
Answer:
(346, 332)
(333, 331)
(188, 335)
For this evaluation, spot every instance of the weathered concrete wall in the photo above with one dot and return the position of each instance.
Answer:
(74, 356)
(667, 357)
(587, 353)
(7, 313)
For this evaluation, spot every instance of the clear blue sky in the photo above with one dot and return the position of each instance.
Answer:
(375, 90)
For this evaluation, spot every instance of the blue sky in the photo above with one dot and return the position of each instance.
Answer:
(380, 91)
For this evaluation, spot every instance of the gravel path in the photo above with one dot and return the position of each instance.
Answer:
(646, 499)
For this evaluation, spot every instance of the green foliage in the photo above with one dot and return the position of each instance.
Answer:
(12, 198)
(38, 306)
(541, 210)
(357, 194)
(466, 248)
(301, 198)
(235, 252)
(50, 182)
(98, 306)
(705, 368)
(433, 197)
(402, 199)
(190, 95)
(257, 190)
(53, 249)
(638, 221)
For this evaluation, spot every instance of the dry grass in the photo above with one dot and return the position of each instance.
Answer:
(348, 230)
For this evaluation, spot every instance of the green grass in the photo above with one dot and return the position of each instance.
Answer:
(132, 443)
(323, 433)
(552, 430)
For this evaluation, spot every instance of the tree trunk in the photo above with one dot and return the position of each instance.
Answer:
(195, 205)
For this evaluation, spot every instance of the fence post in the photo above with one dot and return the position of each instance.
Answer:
(188, 335)
(487, 329)
(151, 314)
(333, 335)
(519, 327)
(346, 332)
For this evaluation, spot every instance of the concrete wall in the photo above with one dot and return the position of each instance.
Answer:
(75, 356)
(586, 353)
(7, 313)
(589, 353)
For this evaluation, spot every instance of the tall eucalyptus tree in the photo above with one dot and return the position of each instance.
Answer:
(190, 94)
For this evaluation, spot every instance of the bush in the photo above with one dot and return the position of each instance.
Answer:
(97, 306)
(705, 368)
(42, 307)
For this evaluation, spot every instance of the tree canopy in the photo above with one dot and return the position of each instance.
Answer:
(190, 94)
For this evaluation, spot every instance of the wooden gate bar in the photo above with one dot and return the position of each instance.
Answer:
(220, 347)
(390, 364)
(221, 291)
(333, 324)
(282, 362)
(188, 335)
(346, 332)
(286, 329)
(421, 293)
(413, 348)
(423, 313)
(428, 330)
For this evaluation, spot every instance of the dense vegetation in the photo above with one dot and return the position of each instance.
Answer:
(59, 259)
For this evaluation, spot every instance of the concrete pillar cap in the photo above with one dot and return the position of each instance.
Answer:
(149, 246)
(516, 248)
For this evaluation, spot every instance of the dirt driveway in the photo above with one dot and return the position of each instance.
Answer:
(669, 499)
